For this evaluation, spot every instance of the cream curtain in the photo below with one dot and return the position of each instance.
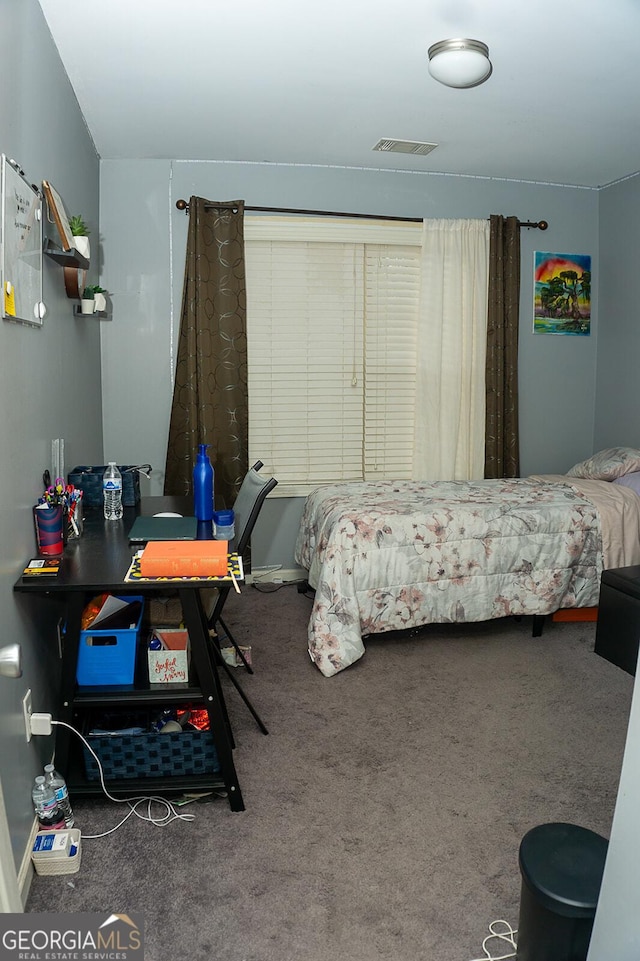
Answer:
(452, 343)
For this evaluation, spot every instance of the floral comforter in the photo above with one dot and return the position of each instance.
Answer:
(390, 555)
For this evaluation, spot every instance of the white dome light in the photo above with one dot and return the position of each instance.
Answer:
(460, 63)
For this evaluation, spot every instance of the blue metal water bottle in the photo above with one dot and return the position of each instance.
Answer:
(203, 485)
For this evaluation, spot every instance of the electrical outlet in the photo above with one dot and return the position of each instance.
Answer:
(26, 710)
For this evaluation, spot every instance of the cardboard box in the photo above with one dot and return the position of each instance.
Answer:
(171, 664)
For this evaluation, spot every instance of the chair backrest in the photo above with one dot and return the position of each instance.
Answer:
(248, 503)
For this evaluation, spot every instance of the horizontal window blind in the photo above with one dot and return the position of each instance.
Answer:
(392, 291)
(331, 335)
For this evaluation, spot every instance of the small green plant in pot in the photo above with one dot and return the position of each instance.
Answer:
(90, 291)
(78, 226)
(80, 234)
(93, 299)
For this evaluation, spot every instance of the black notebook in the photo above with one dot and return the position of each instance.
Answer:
(163, 529)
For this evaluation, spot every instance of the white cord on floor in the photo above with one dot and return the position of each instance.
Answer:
(508, 935)
(171, 814)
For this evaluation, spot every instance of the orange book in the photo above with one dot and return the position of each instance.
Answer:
(184, 559)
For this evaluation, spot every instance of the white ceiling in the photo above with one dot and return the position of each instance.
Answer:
(296, 82)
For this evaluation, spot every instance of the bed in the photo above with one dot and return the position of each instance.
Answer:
(387, 555)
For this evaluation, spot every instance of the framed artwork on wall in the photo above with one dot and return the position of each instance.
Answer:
(562, 294)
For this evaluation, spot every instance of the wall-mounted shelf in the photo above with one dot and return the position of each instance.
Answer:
(97, 314)
(74, 265)
(66, 258)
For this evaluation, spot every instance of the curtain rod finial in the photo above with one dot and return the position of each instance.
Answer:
(537, 224)
(182, 205)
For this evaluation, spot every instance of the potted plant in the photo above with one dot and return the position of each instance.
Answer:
(80, 234)
(100, 298)
(93, 299)
(87, 301)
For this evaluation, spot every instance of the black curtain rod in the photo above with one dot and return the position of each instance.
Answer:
(184, 205)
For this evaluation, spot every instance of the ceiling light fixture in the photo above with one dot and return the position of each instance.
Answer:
(460, 63)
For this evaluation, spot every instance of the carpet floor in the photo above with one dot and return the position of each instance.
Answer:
(384, 810)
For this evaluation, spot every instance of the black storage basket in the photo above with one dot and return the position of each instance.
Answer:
(89, 480)
(151, 755)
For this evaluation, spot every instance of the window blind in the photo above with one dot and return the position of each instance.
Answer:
(331, 340)
(392, 291)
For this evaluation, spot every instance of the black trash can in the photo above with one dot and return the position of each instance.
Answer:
(561, 867)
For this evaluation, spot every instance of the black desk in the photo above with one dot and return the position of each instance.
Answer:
(95, 563)
(618, 630)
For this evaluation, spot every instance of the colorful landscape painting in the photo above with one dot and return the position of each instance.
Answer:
(562, 294)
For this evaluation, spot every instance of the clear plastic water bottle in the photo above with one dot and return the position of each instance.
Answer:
(112, 492)
(45, 805)
(59, 787)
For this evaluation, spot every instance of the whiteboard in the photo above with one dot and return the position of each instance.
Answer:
(21, 247)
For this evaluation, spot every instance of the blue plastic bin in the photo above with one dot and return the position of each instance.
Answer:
(108, 657)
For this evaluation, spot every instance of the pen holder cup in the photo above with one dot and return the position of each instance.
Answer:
(74, 521)
(49, 525)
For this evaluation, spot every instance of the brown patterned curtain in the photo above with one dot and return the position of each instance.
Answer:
(502, 440)
(210, 396)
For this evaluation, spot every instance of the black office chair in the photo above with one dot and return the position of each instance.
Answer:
(246, 508)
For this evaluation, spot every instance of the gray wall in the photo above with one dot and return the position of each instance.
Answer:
(617, 418)
(616, 931)
(144, 270)
(50, 384)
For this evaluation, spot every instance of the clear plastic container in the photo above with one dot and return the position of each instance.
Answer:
(45, 805)
(58, 785)
(112, 492)
(223, 525)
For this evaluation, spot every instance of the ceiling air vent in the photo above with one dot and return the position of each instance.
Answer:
(405, 146)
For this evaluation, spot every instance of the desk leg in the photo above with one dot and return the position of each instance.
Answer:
(196, 625)
(71, 644)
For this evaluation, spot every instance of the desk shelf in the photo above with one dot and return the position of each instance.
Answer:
(132, 695)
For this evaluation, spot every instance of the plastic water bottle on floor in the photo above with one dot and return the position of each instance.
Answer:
(46, 806)
(112, 492)
(59, 787)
